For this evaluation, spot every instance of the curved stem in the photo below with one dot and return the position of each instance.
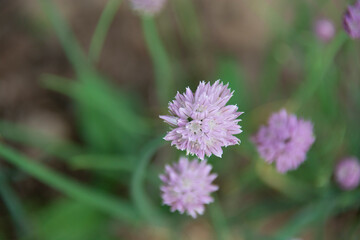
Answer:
(67, 39)
(102, 28)
(137, 189)
(160, 59)
(14, 206)
(219, 221)
(116, 207)
(320, 65)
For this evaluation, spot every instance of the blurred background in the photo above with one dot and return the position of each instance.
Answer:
(80, 137)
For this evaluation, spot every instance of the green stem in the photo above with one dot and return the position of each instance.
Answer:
(21, 134)
(102, 162)
(108, 204)
(287, 185)
(14, 206)
(102, 28)
(319, 67)
(68, 41)
(219, 221)
(189, 23)
(137, 189)
(160, 59)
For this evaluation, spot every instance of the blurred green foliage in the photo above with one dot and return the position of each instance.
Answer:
(120, 142)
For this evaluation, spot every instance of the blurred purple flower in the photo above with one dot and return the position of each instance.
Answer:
(347, 173)
(187, 186)
(324, 30)
(201, 122)
(149, 7)
(284, 141)
(351, 20)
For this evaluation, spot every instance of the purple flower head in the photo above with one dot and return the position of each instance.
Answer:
(284, 141)
(324, 30)
(347, 173)
(187, 186)
(148, 7)
(201, 122)
(351, 20)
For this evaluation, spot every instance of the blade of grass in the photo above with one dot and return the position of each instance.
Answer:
(93, 124)
(98, 95)
(271, 72)
(115, 207)
(261, 209)
(319, 64)
(302, 219)
(329, 152)
(219, 221)
(329, 205)
(102, 162)
(67, 39)
(291, 187)
(189, 23)
(13, 204)
(67, 219)
(21, 134)
(94, 129)
(102, 28)
(161, 62)
(230, 71)
(138, 194)
(311, 214)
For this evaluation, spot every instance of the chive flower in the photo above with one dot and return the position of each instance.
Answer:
(351, 20)
(148, 7)
(285, 140)
(187, 186)
(201, 122)
(324, 30)
(347, 173)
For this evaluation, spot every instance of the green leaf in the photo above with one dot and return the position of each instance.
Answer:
(67, 39)
(22, 134)
(189, 24)
(14, 206)
(308, 215)
(115, 207)
(219, 221)
(100, 110)
(102, 28)
(269, 83)
(161, 62)
(230, 71)
(138, 194)
(291, 187)
(70, 220)
(103, 162)
(319, 63)
(99, 96)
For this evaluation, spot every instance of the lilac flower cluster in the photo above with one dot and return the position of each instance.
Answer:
(347, 173)
(351, 20)
(148, 7)
(285, 140)
(201, 122)
(187, 186)
(324, 30)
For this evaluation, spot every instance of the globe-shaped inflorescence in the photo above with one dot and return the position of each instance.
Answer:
(148, 7)
(285, 140)
(201, 122)
(347, 173)
(351, 20)
(187, 186)
(324, 30)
